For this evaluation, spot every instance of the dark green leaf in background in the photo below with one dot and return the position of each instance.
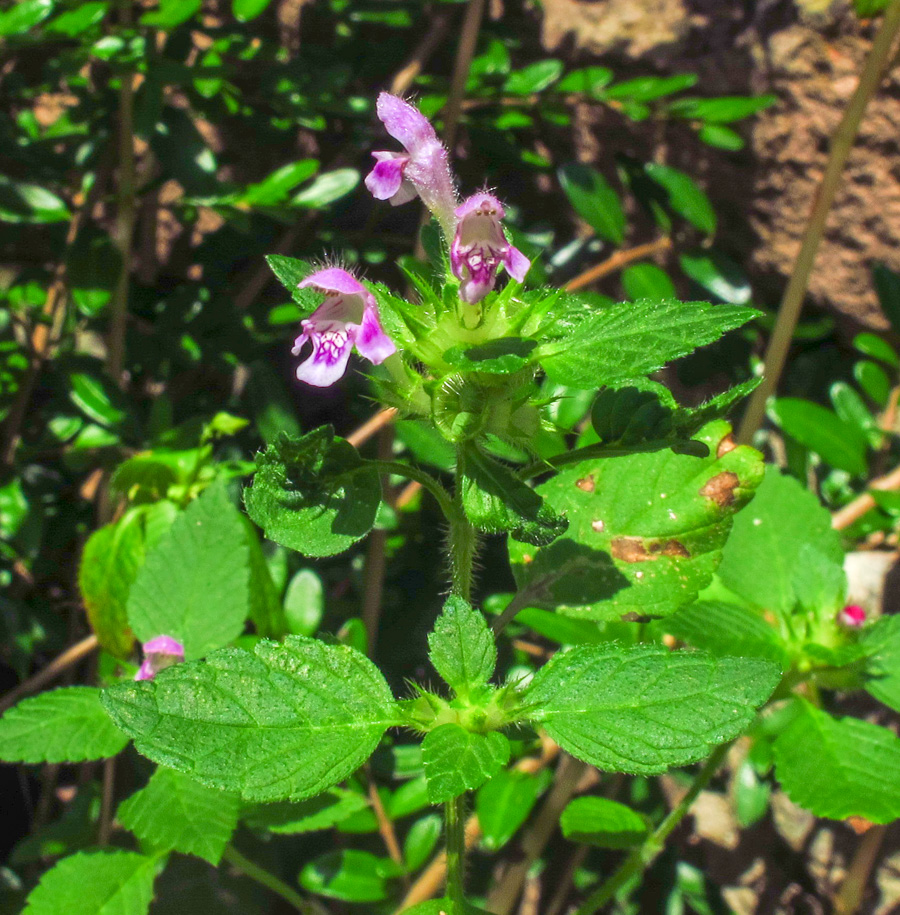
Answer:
(603, 822)
(836, 442)
(594, 200)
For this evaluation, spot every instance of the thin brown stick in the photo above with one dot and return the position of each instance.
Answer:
(407, 494)
(850, 895)
(372, 425)
(59, 664)
(385, 824)
(504, 896)
(617, 261)
(564, 887)
(465, 51)
(841, 145)
(863, 503)
(106, 803)
(407, 75)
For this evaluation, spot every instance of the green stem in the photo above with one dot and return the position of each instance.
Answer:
(644, 855)
(455, 823)
(841, 145)
(267, 879)
(420, 476)
(463, 546)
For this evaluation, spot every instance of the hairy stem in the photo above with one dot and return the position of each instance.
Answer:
(841, 145)
(647, 852)
(455, 825)
(463, 546)
(267, 879)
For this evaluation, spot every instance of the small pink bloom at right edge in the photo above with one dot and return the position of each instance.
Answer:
(480, 247)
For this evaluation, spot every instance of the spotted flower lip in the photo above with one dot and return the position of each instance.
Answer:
(159, 653)
(347, 318)
(423, 169)
(480, 247)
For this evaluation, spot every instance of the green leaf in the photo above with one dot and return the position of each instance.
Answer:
(839, 767)
(314, 814)
(587, 80)
(647, 281)
(304, 603)
(602, 822)
(684, 196)
(95, 883)
(721, 137)
(868, 8)
(352, 876)
(327, 188)
(245, 10)
(717, 274)
(24, 15)
(502, 356)
(851, 408)
(313, 494)
(421, 840)
(878, 348)
(534, 78)
(496, 501)
(722, 110)
(644, 710)
(503, 804)
(457, 760)
(630, 339)
(175, 813)
(290, 272)
(650, 88)
(274, 188)
(817, 428)
(63, 725)
(766, 540)
(887, 285)
(881, 642)
(873, 380)
(461, 647)
(594, 200)
(444, 907)
(285, 722)
(112, 556)
(80, 19)
(96, 399)
(171, 13)
(645, 530)
(266, 611)
(195, 582)
(725, 629)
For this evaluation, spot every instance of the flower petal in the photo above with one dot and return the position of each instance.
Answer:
(328, 362)
(404, 122)
(386, 178)
(371, 340)
(334, 279)
(164, 644)
(517, 265)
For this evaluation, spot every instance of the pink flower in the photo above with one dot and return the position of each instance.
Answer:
(159, 653)
(852, 616)
(422, 169)
(480, 247)
(348, 317)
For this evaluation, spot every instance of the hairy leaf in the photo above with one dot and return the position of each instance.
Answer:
(457, 760)
(881, 641)
(285, 722)
(461, 646)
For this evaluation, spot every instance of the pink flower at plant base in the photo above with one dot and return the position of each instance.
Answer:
(159, 653)
(348, 317)
(423, 169)
(852, 616)
(480, 247)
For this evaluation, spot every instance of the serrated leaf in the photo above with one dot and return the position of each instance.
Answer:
(314, 814)
(725, 629)
(457, 760)
(496, 501)
(645, 530)
(461, 647)
(195, 582)
(95, 883)
(644, 709)
(631, 339)
(112, 556)
(63, 725)
(504, 804)
(594, 199)
(602, 822)
(313, 494)
(839, 767)
(176, 813)
(285, 722)
(764, 547)
(881, 642)
(289, 272)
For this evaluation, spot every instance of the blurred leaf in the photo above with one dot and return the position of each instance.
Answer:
(647, 281)
(817, 428)
(877, 347)
(850, 407)
(327, 188)
(887, 285)
(503, 804)
(312, 815)
(245, 10)
(171, 13)
(24, 15)
(421, 840)
(96, 398)
(74, 22)
(881, 641)
(751, 795)
(352, 876)
(684, 196)
(534, 78)
(868, 8)
(718, 275)
(873, 380)
(29, 203)
(594, 200)
(276, 187)
(721, 110)
(602, 822)
(588, 80)
(650, 88)
(721, 137)
(304, 603)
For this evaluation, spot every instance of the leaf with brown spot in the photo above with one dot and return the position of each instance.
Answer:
(665, 519)
(586, 484)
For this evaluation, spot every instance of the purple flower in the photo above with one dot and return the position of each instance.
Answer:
(423, 169)
(853, 616)
(348, 317)
(159, 653)
(480, 247)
